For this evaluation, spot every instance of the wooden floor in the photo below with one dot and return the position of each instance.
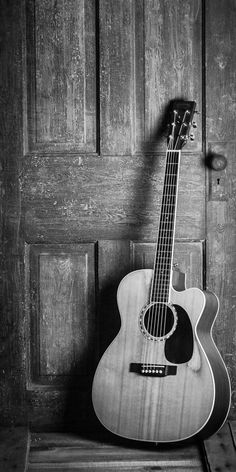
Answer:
(46, 452)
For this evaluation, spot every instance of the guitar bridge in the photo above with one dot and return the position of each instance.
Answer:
(153, 370)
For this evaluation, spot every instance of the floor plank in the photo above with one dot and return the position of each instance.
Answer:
(220, 450)
(65, 452)
(14, 443)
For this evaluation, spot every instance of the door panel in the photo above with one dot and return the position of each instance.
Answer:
(62, 301)
(83, 159)
(149, 52)
(66, 198)
(66, 340)
(221, 191)
(71, 198)
(60, 76)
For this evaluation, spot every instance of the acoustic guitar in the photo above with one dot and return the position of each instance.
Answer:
(162, 379)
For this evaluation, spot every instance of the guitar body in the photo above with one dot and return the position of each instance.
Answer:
(183, 390)
(162, 379)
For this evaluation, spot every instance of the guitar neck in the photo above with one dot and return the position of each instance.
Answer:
(165, 243)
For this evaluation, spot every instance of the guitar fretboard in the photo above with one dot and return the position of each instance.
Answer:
(164, 250)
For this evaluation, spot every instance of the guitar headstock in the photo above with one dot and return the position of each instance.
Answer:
(180, 122)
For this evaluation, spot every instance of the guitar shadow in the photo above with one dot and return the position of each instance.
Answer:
(109, 318)
(107, 312)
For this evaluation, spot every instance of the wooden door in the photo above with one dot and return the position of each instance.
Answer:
(86, 88)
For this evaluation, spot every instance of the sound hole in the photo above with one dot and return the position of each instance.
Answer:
(158, 321)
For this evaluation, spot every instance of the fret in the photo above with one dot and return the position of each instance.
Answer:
(163, 254)
(170, 205)
(157, 294)
(162, 282)
(166, 214)
(164, 232)
(167, 231)
(173, 197)
(170, 185)
(163, 294)
(162, 266)
(159, 298)
(164, 248)
(162, 263)
(171, 174)
(172, 163)
(162, 272)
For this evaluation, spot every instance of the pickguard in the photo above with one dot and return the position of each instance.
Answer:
(179, 346)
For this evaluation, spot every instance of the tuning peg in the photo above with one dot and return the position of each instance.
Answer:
(194, 124)
(197, 112)
(191, 136)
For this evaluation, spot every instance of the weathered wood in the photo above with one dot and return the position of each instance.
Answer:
(147, 408)
(121, 76)
(113, 197)
(117, 258)
(221, 258)
(49, 451)
(188, 259)
(220, 132)
(146, 54)
(12, 363)
(14, 448)
(220, 452)
(113, 261)
(62, 311)
(172, 57)
(149, 53)
(220, 70)
(61, 80)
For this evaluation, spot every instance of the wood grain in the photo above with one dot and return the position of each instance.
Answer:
(172, 57)
(220, 451)
(113, 197)
(222, 256)
(175, 407)
(220, 129)
(62, 287)
(49, 451)
(220, 56)
(98, 81)
(143, 65)
(14, 448)
(188, 259)
(48, 395)
(118, 77)
(61, 80)
(12, 361)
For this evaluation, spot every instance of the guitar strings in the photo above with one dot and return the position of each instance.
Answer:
(164, 262)
(165, 266)
(161, 262)
(169, 231)
(165, 247)
(157, 316)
